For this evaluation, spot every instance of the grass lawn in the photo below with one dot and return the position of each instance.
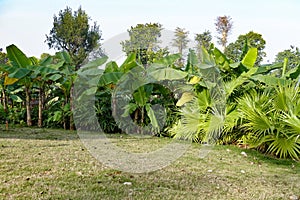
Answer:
(54, 164)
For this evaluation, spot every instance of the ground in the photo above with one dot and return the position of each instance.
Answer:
(54, 164)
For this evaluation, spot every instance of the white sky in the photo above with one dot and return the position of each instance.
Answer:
(26, 22)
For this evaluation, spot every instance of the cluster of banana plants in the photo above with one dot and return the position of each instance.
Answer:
(132, 97)
(209, 100)
(39, 88)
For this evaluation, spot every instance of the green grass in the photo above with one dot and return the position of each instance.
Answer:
(54, 164)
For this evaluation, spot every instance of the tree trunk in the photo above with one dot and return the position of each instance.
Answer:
(28, 108)
(63, 115)
(72, 127)
(142, 116)
(4, 100)
(41, 107)
(114, 107)
(224, 40)
(142, 121)
(136, 116)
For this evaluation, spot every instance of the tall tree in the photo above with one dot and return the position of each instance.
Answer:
(181, 39)
(239, 48)
(144, 41)
(71, 32)
(203, 39)
(223, 26)
(292, 54)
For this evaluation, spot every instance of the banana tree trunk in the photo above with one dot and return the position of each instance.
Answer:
(63, 115)
(41, 107)
(4, 103)
(72, 127)
(4, 100)
(28, 108)
(142, 120)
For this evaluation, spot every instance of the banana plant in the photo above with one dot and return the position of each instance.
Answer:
(43, 75)
(65, 82)
(29, 72)
(132, 81)
(19, 71)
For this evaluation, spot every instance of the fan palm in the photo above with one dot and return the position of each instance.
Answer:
(271, 119)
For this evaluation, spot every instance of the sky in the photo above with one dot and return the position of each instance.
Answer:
(26, 23)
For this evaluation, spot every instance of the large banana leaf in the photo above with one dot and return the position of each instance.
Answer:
(293, 73)
(129, 63)
(269, 80)
(221, 59)
(167, 74)
(141, 96)
(152, 116)
(43, 71)
(207, 58)
(110, 78)
(63, 55)
(10, 81)
(250, 58)
(93, 64)
(192, 61)
(169, 60)
(264, 69)
(17, 57)
(231, 85)
(111, 67)
(19, 73)
(186, 97)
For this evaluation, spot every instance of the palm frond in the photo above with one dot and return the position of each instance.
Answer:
(284, 147)
(255, 111)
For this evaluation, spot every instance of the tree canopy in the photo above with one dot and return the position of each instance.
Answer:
(181, 39)
(239, 48)
(203, 39)
(71, 32)
(144, 41)
(181, 42)
(292, 54)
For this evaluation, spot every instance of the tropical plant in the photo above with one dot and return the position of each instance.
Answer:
(139, 90)
(271, 120)
(20, 70)
(209, 113)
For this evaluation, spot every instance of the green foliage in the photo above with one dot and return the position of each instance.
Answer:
(71, 32)
(236, 50)
(144, 43)
(181, 39)
(216, 97)
(271, 120)
(292, 55)
(203, 39)
(180, 42)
